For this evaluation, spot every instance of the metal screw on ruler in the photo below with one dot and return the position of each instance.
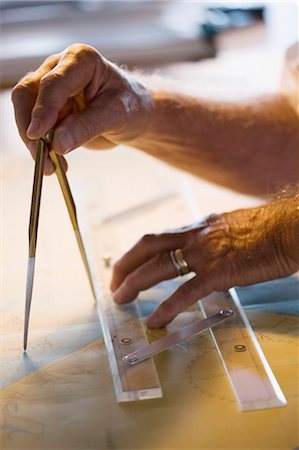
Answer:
(226, 312)
(240, 348)
(132, 359)
(126, 340)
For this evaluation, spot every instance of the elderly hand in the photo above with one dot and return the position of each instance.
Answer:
(88, 100)
(237, 248)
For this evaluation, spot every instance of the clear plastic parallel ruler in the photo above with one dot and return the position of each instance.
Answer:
(251, 378)
(249, 373)
(124, 332)
(123, 328)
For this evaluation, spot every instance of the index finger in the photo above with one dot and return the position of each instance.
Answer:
(24, 95)
(72, 74)
(187, 294)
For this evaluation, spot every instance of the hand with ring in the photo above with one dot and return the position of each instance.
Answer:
(237, 248)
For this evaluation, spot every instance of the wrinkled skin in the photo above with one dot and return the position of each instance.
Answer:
(250, 146)
(72, 91)
(237, 248)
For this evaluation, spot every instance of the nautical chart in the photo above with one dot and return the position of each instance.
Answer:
(60, 395)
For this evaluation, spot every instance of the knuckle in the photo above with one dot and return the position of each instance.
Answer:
(50, 79)
(77, 47)
(27, 78)
(24, 87)
(16, 91)
(82, 52)
(88, 53)
(52, 58)
(148, 240)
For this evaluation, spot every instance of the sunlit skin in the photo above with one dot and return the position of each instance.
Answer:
(251, 146)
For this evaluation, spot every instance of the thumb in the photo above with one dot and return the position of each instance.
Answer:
(79, 128)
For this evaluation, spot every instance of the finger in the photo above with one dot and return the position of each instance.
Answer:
(157, 269)
(23, 97)
(149, 246)
(187, 294)
(71, 75)
(64, 163)
(100, 117)
(79, 128)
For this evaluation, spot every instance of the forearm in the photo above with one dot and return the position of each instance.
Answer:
(250, 146)
(287, 231)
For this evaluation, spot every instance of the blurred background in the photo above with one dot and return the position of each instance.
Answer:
(139, 33)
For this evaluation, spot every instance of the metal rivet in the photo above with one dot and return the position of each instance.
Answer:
(240, 348)
(226, 312)
(126, 340)
(132, 359)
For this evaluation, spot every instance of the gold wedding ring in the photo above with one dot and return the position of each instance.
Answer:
(179, 262)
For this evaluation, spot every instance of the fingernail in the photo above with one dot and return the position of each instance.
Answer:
(64, 140)
(117, 297)
(152, 322)
(33, 128)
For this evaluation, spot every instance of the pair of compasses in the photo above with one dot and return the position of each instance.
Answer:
(44, 146)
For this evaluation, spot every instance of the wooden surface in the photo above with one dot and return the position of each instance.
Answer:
(60, 395)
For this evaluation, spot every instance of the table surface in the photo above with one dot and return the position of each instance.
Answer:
(60, 395)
